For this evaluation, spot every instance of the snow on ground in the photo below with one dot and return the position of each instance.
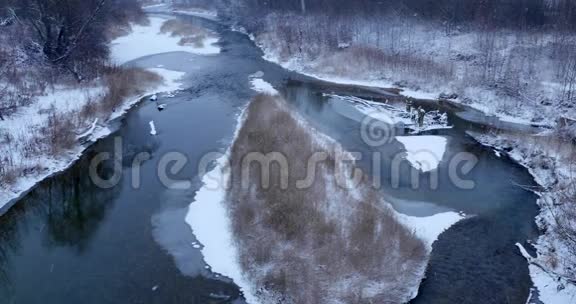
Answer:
(547, 286)
(208, 218)
(551, 289)
(424, 152)
(28, 121)
(89, 131)
(419, 94)
(146, 40)
(24, 124)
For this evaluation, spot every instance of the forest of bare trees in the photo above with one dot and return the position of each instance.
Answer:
(70, 35)
(52, 46)
(46, 42)
(560, 14)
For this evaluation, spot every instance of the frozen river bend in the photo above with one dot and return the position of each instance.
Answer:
(69, 241)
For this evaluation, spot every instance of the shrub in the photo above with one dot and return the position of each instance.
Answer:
(123, 83)
(59, 133)
(177, 27)
(8, 175)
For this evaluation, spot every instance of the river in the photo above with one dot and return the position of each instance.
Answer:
(69, 241)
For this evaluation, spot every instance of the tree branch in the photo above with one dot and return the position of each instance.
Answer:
(81, 32)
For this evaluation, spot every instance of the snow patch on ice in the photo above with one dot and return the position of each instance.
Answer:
(429, 228)
(261, 86)
(146, 40)
(424, 152)
(152, 128)
(208, 218)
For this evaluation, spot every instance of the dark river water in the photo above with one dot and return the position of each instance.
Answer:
(69, 241)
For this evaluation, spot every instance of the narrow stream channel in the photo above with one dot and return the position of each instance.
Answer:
(69, 241)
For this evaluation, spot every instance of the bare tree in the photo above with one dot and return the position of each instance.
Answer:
(72, 33)
(569, 79)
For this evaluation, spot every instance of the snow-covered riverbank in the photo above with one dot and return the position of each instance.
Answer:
(425, 62)
(548, 160)
(27, 123)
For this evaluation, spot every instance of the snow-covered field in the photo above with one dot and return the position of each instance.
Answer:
(146, 40)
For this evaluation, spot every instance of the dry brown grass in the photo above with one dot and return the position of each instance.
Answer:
(123, 83)
(179, 28)
(8, 175)
(117, 31)
(189, 33)
(322, 244)
(195, 41)
(59, 134)
(373, 60)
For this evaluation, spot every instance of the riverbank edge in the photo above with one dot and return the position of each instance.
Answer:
(100, 131)
(270, 56)
(555, 286)
(545, 236)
